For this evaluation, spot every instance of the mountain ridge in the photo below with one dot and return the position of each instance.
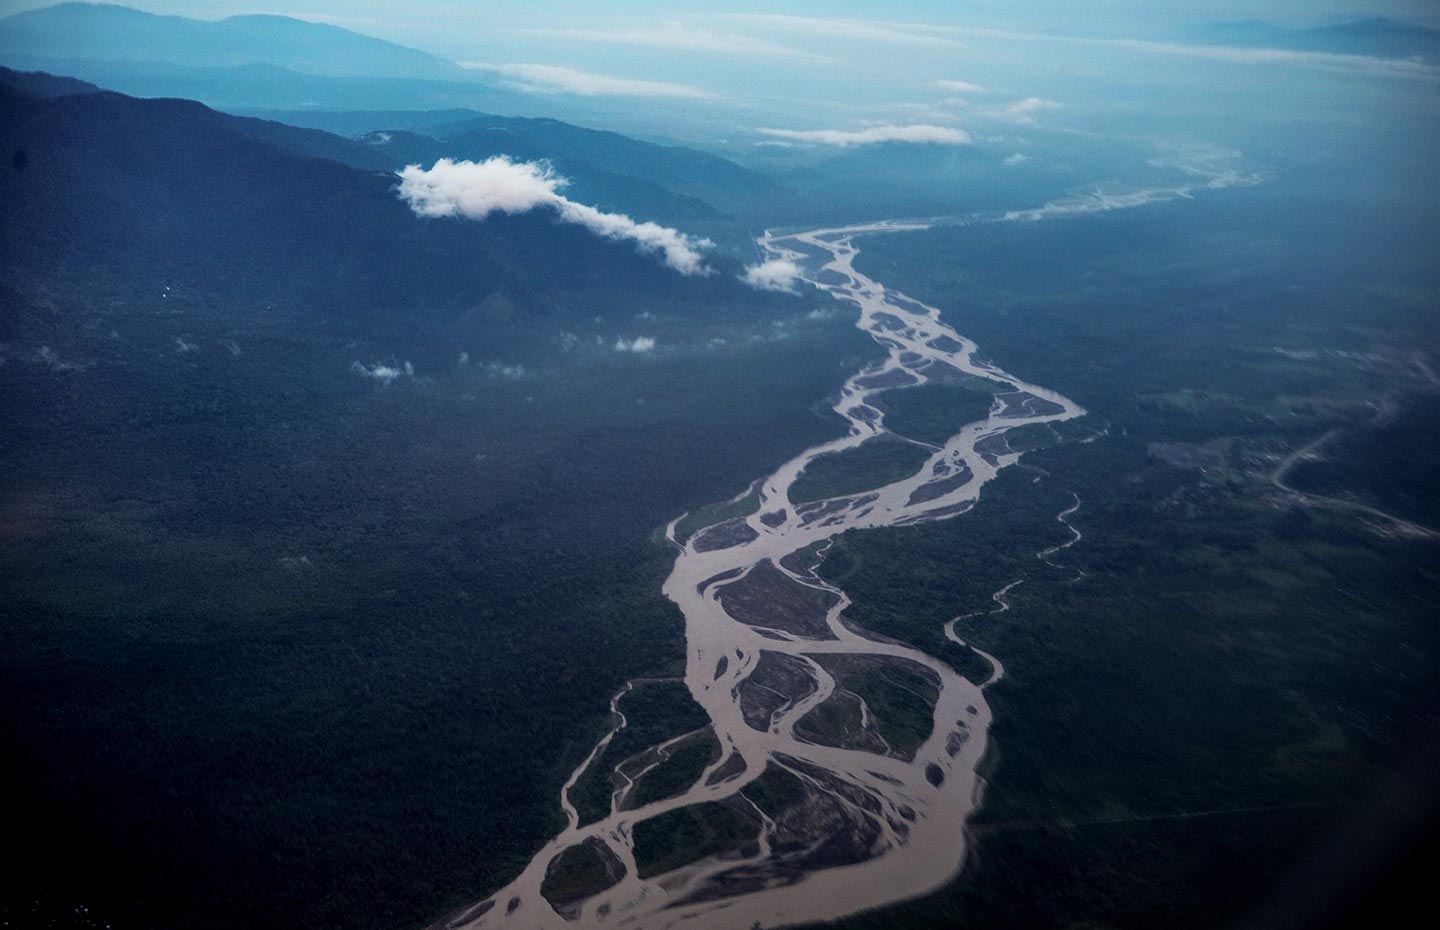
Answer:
(111, 32)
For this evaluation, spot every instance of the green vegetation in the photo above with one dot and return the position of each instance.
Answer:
(902, 700)
(711, 514)
(686, 763)
(654, 711)
(1394, 466)
(775, 790)
(579, 872)
(870, 465)
(266, 615)
(1030, 437)
(1208, 688)
(934, 412)
(687, 834)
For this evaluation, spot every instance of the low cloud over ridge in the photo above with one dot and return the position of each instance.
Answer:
(960, 87)
(844, 138)
(1022, 112)
(551, 79)
(475, 190)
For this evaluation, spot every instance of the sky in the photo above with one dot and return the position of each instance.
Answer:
(851, 72)
(461, 28)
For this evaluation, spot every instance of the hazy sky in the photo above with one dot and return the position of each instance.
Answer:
(465, 29)
(841, 73)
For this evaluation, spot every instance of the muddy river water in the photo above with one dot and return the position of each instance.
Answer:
(875, 825)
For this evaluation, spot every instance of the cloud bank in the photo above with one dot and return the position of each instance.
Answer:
(917, 132)
(960, 87)
(680, 37)
(1022, 112)
(475, 190)
(639, 344)
(867, 30)
(1340, 62)
(385, 374)
(553, 79)
(777, 274)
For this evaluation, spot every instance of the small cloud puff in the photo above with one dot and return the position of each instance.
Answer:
(1017, 159)
(919, 133)
(638, 344)
(551, 79)
(499, 185)
(385, 374)
(960, 87)
(503, 371)
(1022, 112)
(777, 274)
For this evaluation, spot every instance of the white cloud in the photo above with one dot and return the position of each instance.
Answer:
(777, 274)
(1022, 112)
(1017, 159)
(503, 371)
(638, 344)
(960, 87)
(385, 374)
(917, 132)
(904, 33)
(553, 79)
(684, 38)
(477, 189)
(1321, 61)
(51, 359)
(183, 346)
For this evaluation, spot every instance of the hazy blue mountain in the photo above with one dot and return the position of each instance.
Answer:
(688, 171)
(1379, 36)
(354, 123)
(104, 32)
(243, 61)
(669, 182)
(267, 86)
(675, 167)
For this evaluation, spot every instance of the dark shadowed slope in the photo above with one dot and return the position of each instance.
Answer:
(151, 189)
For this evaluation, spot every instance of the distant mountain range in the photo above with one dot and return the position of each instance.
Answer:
(1377, 36)
(242, 61)
(107, 33)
